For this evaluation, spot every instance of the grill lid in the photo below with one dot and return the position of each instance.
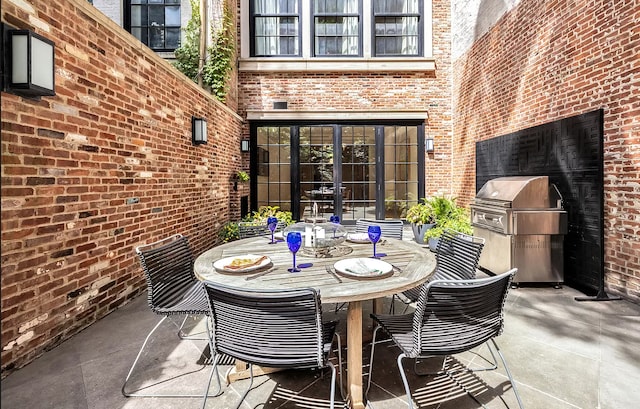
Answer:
(517, 192)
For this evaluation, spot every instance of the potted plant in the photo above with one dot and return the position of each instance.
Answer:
(449, 216)
(240, 176)
(422, 218)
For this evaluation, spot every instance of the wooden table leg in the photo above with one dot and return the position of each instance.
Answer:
(354, 354)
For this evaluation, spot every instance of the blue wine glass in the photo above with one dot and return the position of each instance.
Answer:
(272, 223)
(294, 241)
(374, 233)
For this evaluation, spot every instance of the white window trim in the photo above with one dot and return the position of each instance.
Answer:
(309, 63)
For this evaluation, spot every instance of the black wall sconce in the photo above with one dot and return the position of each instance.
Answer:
(28, 63)
(244, 145)
(428, 145)
(198, 130)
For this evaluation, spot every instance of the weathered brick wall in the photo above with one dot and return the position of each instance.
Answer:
(105, 165)
(430, 92)
(549, 60)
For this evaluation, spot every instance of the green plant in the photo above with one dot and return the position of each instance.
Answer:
(229, 232)
(218, 66)
(242, 176)
(448, 215)
(421, 213)
(260, 216)
(188, 53)
(219, 60)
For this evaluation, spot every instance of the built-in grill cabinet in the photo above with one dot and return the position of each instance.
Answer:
(523, 223)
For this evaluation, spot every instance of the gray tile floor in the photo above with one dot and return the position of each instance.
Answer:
(562, 353)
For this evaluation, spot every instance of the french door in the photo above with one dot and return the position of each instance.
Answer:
(353, 171)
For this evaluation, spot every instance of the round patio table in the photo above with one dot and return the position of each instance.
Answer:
(413, 265)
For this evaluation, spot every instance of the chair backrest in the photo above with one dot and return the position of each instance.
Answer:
(280, 329)
(168, 268)
(453, 316)
(249, 229)
(457, 256)
(391, 228)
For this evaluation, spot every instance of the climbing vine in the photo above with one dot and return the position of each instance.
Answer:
(218, 63)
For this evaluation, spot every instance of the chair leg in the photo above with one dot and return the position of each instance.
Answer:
(244, 395)
(340, 365)
(506, 368)
(373, 345)
(404, 380)
(333, 385)
(135, 362)
(183, 336)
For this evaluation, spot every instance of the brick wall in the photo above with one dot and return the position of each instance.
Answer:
(426, 91)
(549, 60)
(105, 165)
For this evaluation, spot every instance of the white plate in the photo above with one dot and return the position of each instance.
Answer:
(220, 264)
(358, 238)
(363, 268)
(278, 235)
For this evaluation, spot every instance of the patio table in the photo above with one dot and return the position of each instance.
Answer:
(413, 265)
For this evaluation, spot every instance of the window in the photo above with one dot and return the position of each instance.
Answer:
(336, 27)
(155, 23)
(275, 28)
(397, 27)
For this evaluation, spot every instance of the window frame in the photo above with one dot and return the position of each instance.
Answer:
(419, 34)
(252, 30)
(128, 8)
(313, 34)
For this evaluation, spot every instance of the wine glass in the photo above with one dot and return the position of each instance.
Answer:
(272, 223)
(294, 241)
(374, 233)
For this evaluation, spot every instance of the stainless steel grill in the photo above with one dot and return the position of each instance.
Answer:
(523, 223)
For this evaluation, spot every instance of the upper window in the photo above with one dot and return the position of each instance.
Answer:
(336, 27)
(275, 25)
(397, 27)
(155, 23)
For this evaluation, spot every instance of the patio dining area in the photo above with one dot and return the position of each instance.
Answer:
(562, 353)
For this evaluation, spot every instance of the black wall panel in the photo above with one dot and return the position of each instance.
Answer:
(569, 151)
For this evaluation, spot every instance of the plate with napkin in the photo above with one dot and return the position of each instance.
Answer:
(242, 264)
(363, 268)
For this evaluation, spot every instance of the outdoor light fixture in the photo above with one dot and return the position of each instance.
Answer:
(244, 145)
(198, 130)
(28, 63)
(428, 145)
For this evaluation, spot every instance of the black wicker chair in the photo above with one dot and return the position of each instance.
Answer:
(250, 229)
(172, 290)
(277, 329)
(452, 316)
(457, 257)
(390, 228)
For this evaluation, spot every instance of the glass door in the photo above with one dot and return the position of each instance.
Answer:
(317, 188)
(353, 171)
(358, 172)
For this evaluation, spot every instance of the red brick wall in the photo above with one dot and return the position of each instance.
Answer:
(119, 128)
(547, 60)
(429, 92)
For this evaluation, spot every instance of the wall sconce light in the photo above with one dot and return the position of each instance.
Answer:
(198, 130)
(428, 145)
(244, 145)
(28, 63)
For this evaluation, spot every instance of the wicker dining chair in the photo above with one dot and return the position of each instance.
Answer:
(457, 257)
(272, 328)
(250, 229)
(452, 316)
(172, 290)
(390, 228)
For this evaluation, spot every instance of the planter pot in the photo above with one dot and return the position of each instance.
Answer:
(433, 243)
(419, 231)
